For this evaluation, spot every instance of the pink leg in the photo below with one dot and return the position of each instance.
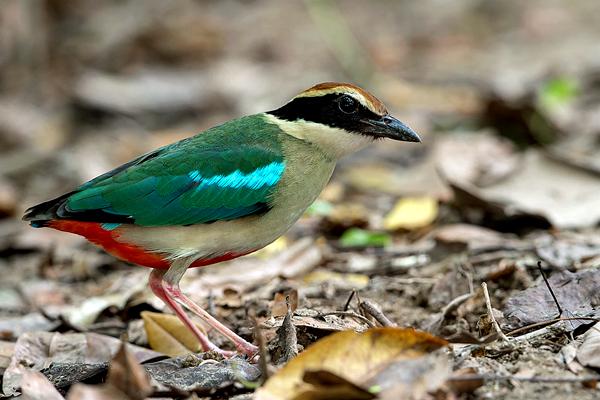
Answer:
(160, 289)
(241, 345)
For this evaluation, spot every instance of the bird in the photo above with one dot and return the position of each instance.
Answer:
(223, 193)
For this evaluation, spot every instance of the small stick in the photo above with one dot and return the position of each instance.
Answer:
(533, 379)
(351, 314)
(349, 299)
(488, 304)
(375, 311)
(347, 305)
(455, 303)
(560, 311)
(544, 324)
(262, 353)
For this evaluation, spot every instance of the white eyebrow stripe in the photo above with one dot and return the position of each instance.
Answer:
(340, 90)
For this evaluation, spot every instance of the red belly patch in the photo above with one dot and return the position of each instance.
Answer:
(107, 239)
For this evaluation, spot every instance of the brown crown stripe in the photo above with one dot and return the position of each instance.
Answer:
(373, 102)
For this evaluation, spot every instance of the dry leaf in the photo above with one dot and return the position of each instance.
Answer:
(311, 324)
(355, 357)
(87, 312)
(37, 387)
(127, 380)
(81, 391)
(168, 335)
(577, 293)
(412, 213)
(588, 354)
(284, 301)
(13, 327)
(56, 352)
(126, 374)
(329, 386)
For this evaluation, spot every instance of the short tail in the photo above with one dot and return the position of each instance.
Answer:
(41, 214)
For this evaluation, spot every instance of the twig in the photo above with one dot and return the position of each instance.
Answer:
(488, 304)
(262, 353)
(544, 324)
(350, 314)
(533, 379)
(375, 311)
(349, 300)
(560, 311)
(455, 303)
(435, 325)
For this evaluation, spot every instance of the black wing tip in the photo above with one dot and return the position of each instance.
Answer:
(40, 214)
(35, 219)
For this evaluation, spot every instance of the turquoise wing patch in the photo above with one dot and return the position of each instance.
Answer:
(182, 186)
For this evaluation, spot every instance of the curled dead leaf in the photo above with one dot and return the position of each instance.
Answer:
(354, 357)
(127, 380)
(167, 334)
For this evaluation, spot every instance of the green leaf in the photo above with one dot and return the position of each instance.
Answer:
(356, 237)
(559, 91)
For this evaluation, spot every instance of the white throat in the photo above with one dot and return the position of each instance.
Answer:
(335, 142)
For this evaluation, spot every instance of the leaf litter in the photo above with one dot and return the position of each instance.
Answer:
(403, 236)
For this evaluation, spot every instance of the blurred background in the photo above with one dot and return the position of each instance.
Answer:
(505, 94)
(87, 85)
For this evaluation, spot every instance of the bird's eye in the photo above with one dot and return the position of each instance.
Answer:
(347, 104)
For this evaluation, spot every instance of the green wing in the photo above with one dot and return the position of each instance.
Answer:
(222, 174)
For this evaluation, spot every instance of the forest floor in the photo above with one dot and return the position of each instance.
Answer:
(503, 192)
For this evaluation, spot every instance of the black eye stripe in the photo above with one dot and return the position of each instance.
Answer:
(347, 104)
(326, 110)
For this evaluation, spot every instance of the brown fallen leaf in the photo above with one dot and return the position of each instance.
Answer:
(49, 351)
(567, 250)
(578, 294)
(356, 357)
(329, 386)
(284, 301)
(311, 324)
(37, 387)
(167, 334)
(127, 380)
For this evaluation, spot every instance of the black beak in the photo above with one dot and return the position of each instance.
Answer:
(389, 127)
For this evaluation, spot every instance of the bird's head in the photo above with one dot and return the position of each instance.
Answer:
(339, 118)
